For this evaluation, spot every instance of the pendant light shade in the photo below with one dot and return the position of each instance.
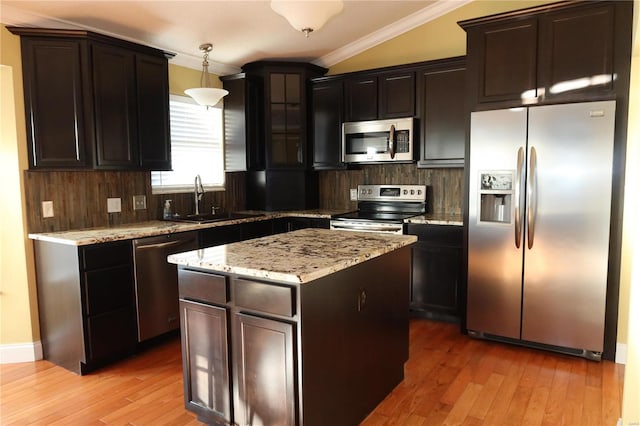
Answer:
(307, 16)
(206, 95)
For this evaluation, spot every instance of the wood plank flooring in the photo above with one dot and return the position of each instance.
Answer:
(450, 379)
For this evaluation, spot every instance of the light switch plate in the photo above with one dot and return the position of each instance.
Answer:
(47, 209)
(353, 194)
(139, 202)
(114, 205)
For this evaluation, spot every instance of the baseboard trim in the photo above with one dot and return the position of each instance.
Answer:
(621, 353)
(20, 352)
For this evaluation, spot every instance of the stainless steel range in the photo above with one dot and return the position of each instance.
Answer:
(383, 208)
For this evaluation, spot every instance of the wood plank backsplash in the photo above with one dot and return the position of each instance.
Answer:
(80, 197)
(445, 187)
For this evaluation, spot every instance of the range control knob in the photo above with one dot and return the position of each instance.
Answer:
(404, 192)
(419, 191)
(413, 192)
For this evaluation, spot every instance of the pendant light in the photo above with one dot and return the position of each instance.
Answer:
(205, 94)
(307, 16)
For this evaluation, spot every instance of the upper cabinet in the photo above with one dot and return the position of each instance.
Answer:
(92, 101)
(327, 115)
(441, 95)
(379, 95)
(563, 52)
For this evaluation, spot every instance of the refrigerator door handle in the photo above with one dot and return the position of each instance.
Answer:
(518, 197)
(532, 196)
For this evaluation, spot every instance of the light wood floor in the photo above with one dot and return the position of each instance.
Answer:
(450, 379)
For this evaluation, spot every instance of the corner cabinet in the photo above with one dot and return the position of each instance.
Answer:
(271, 113)
(92, 101)
(563, 52)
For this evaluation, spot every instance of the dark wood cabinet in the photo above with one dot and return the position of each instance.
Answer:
(93, 101)
(441, 93)
(561, 52)
(361, 98)
(207, 385)
(86, 302)
(114, 102)
(380, 95)
(152, 83)
(243, 123)
(327, 115)
(53, 75)
(261, 393)
(436, 278)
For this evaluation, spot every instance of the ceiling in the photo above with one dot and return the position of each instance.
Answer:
(240, 31)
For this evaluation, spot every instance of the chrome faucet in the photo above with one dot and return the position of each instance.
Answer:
(198, 192)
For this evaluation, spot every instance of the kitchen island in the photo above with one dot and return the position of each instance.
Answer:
(304, 328)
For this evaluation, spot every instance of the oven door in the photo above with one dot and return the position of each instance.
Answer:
(366, 226)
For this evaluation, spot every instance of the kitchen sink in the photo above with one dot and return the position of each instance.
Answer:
(211, 217)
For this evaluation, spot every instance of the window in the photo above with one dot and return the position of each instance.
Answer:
(196, 148)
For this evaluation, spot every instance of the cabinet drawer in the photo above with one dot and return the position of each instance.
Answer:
(106, 255)
(262, 297)
(111, 335)
(202, 286)
(441, 235)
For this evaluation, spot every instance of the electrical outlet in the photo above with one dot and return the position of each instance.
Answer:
(47, 209)
(139, 202)
(353, 194)
(114, 205)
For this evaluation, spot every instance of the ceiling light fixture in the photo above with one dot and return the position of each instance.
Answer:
(206, 95)
(307, 16)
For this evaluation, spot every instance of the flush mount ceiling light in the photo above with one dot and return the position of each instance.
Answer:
(307, 16)
(206, 95)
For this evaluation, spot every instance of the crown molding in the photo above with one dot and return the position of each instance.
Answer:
(21, 18)
(421, 17)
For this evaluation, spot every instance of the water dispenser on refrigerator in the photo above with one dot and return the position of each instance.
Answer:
(496, 195)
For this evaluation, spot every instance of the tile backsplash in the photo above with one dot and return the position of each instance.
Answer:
(80, 197)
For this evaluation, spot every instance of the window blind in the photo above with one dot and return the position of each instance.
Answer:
(196, 148)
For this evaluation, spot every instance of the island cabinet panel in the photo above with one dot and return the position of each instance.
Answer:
(322, 352)
(205, 360)
(264, 371)
(86, 303)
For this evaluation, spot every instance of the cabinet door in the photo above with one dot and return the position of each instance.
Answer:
(435, 279)
(110, 336)
(152, 82)
(114, 93)
(443, 119)
(361, 98)
(264, 379)
(54, 100)
(327, 113)
(577, 52)
(205, 361)
(504, 58)
(287, 139)
(397, 94)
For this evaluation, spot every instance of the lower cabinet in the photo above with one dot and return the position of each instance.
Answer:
(264, 395)
(86, 303)
(436, 276)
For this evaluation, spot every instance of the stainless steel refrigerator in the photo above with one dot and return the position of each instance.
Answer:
(539, 213)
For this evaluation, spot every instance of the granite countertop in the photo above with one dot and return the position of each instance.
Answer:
(81, 237)
(436, 219)
(294, 257)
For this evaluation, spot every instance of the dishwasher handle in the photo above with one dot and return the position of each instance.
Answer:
(162, 245)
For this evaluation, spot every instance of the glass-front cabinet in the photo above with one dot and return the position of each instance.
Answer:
(287, 141)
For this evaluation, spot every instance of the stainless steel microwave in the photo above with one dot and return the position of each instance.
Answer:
(378, 141)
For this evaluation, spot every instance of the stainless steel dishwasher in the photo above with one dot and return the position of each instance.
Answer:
(157, 282)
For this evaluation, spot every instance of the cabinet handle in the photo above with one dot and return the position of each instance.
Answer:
(362, 298)
(392, 141)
